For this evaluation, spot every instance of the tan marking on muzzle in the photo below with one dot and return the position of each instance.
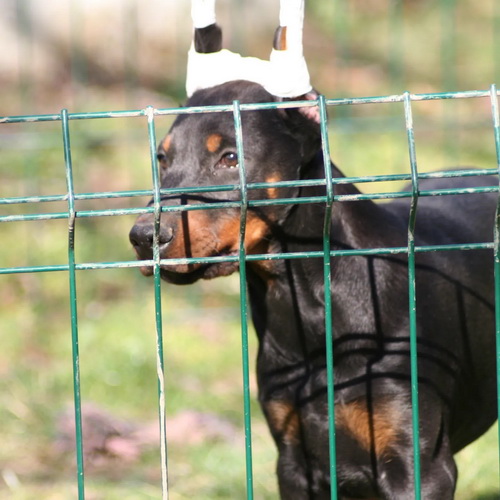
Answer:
(145, 270)
(193, 237)
(255, 231)
(199, 235)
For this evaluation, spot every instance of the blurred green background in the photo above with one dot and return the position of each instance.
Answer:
(89, 55)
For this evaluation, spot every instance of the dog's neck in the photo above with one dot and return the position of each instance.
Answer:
(276, 284)
(301, 228)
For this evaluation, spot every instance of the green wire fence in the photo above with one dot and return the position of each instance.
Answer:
(329, 199)
(370, 48)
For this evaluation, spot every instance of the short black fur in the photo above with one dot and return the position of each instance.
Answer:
(455, 316)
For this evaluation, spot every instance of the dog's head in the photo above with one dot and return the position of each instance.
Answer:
(199, 151)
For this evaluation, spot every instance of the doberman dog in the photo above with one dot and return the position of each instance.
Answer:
(370, 304)
(455, 316)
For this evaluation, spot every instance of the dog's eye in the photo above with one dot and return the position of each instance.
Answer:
(228, 160)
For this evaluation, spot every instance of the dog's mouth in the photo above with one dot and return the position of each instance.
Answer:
(199, 248)
(186, 274)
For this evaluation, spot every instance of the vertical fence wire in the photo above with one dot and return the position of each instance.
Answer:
(160, 367)
(412, 294)
(73, 303)
(496, 130)
(327, 277)
(243, 299)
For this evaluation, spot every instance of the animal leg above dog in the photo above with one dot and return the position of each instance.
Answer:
(208, 63)
(285, 75)
(289, 76)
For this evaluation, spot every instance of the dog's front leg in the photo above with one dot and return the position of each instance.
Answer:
(297, 480)
(301, 474)
(438, 471)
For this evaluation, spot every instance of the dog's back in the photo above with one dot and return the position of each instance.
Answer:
(457, 308)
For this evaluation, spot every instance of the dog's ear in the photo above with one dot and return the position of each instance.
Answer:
(304, 125)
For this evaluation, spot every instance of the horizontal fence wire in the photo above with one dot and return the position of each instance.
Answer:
(251, 203)
(228, 108)
(250, 186)
(244, 204)
(249, 258)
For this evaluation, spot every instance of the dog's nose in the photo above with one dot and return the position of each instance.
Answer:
(141, 236)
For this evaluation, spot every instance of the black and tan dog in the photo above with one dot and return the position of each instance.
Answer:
(455, 316)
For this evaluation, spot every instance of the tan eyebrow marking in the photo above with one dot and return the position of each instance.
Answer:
(166, 143)
(213, 142)
(272, 192)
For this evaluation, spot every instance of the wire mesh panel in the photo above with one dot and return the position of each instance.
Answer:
(329, 199)
(72, 184)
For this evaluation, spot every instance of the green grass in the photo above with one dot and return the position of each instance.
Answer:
(117, 345)
(478, 469)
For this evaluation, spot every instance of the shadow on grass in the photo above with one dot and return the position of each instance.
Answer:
(493, 495)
